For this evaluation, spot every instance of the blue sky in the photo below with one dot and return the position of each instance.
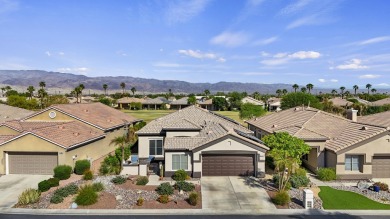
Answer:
(329, 43)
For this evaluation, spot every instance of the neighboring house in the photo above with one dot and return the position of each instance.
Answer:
(252, 100)
(274, 104)
(156, 103)
(205, 103)
(124, 103)
(200, 142)
(356, 149)
(11, 113)
(60, 134)
(382, 102)
(338, 101)
(366, 102)
(179, 104)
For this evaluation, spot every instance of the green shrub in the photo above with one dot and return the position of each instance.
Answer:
(300, 172)
(281, 198)
(88, 175)
(180, 175)
(44, 185)
(163, 199)
(269, 161)
(193, 198)
(118, 180)
(65, 191)
(56, 199)
(164, 189)
(185, 186)
(54, 182)
(81, 166)
(142, 180)
(98, 186)
(62, 172)
(110, 165)
(326, 174)
(299, 181)
(29, 196)
(86, 196)
(275, 180)
(140, 201)
(382, 186)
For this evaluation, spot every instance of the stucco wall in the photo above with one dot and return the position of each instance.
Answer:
(143, 145)
(4, 130)
(331, 159)
(180, 134)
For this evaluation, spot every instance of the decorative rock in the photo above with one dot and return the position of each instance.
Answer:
(73, 205)
(118, 197)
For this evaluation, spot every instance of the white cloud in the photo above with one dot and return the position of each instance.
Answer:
(282, 58)
(274, 61)
(201, 55)
(369, 76)
(334, 80)
(383, 85)
(230, 39)
(264, 54)
(265, 41)
(183, 11)
(48, 53)
(294, 7)
(305, 55)
(166, 65)
(331, 80)
(255, 73)
(322, 80)
(81, 70)
(280, 55)
(374, 40)
(61, 53)
(352, 64)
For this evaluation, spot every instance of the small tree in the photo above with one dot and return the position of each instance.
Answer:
(250, 111)
(286, 150)
(133, 90)
(30, 91)
(298, 99)
(191, 100)
(220, 103)
(121, 142)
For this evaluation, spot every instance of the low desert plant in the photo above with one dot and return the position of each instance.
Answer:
(382, 186)
(65, 191)
(54, 182)
(185, 186)
(29, 196)
(118, 180)
(163, 199)
(44, 185)
(164, 189)
(62, 172)
(142, 180)
(300, 172)
(56, 198)
(281, 198)
(299, 181)
(326, 174)
(88, 175)
(98, 186)
(275, 180)
(81, 166)
(180, 175)
(140, 201)
(86, 196)
(193, 198)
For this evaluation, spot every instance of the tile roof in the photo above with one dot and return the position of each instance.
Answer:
(337, 101)
(11, 113)
(313, 124)
(381, 119)
(157, 100)
(181, 101)
(249, 99)
(381, 102)
(193, 114)
(97, 114)
(130, 100)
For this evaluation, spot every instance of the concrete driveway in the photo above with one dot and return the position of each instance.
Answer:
(233, 193)
(11, 186)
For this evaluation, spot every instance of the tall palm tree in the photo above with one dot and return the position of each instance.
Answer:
(206, 92)
(133, 90)
(123, 86)
(303, 89)
(373, 90)
(334, 92)
(368, 86)
(284, 91)
(355, 87)
(82, 87)
(120, 141)
(309, 87)
(342, 92)
(42, 84)
(42, 94)
(295, 86)
(278, 92)
(105, 86)
(31, 90)
(256, 95)
(77, 92)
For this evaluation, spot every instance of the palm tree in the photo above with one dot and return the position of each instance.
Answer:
(334, 92)
(303, 89)
(42, 84)
(82, 87)
(295, 86)
(278, 92)
(373, 90)
(42, 94)
(347, 93)
(121, 142)
(133, 90)
(105, 86)
(123, 86)
(77, 92)
(355, 87)
(256, 95)
(284, 91)
(342, 92)
(206, 92)
(309, 87)
(368, 86)
(31, 90)
(8, 88)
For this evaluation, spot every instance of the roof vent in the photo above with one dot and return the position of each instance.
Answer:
(296, 108)
(61, 127)
(274, 126)
(76, 134)
(364, 128)
(86, 110)
(209, 132)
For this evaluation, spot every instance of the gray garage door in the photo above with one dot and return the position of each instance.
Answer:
(228, 165)
(32, 163)
(381, 167)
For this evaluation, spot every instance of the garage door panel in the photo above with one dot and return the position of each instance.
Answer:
(227, 165)
(381, 167)
(32, 163)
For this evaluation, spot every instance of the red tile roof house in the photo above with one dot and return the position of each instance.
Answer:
(200, 142)
(60, 134)
(358, 148)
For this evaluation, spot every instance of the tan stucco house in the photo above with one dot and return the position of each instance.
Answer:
(356, 149)
(202, 143)
(60, 134)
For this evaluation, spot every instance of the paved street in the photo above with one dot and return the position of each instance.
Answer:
(12, 185)
(233, 193)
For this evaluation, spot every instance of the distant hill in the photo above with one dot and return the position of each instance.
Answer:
(65, 81)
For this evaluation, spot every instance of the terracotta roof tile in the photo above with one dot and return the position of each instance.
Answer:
(11, 113)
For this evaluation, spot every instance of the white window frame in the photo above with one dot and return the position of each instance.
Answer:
(180, 161)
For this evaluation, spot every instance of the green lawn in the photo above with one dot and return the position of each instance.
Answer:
(334, 199)
(149, 115)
